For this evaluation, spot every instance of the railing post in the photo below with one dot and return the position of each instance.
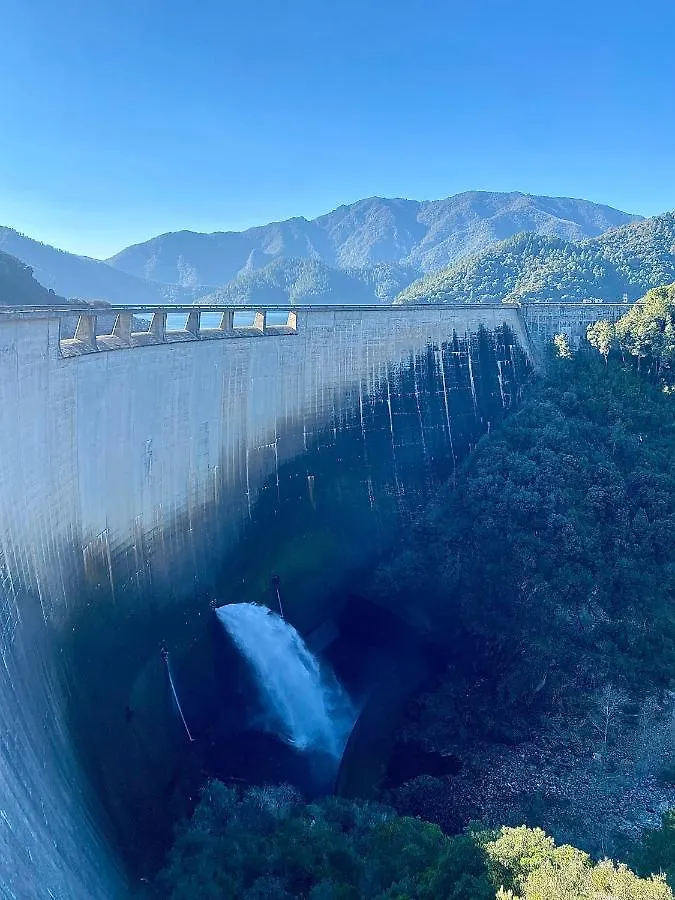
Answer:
(192, 324)
(86, 331)
(158, 326)
(260, 321)
(227, 320)
(122, 327)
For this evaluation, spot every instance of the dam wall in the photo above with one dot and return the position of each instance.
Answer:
(544, 320)
(112, 442)
(146, 471)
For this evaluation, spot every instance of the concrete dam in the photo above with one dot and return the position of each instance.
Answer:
(189, 455)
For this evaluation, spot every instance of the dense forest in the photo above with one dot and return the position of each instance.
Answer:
(307, 281)
(546, 568)
(266, 844)
(552, 556)
(646, 334)
(530, 267)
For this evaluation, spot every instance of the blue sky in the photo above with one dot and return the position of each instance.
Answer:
(121, 119)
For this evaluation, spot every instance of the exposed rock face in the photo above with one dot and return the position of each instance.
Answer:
(594, 779)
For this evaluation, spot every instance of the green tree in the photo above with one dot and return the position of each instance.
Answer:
(526, 864)
(562, 346)
(655, 852)
(647, 332)
(602, 336)
(266, 844)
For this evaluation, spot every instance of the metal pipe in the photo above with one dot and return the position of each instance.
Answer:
(165, 657)
(276, 581)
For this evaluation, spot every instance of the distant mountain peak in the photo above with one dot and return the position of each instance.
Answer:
(425, 235)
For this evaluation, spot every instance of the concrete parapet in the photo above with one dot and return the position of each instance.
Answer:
(264, 321)
(534, 322)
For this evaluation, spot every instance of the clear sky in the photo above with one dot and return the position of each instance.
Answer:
(122, 119)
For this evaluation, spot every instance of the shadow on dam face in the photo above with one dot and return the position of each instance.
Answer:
(94, 700)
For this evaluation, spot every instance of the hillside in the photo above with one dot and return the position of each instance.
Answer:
(19, 287)
(627, 260)
(298, 281)
(82, 277)
(550, 551)
(425, 235)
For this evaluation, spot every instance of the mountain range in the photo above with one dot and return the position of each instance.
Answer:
(82, 277)
(363, 252)
(422, 235)
(530, 267)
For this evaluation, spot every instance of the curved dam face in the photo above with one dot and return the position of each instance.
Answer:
(143, 473)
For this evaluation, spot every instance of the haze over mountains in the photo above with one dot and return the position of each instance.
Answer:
(84, 278)
(424, 235)
(364, 252)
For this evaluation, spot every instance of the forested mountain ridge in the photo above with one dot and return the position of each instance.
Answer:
(424, 235)
(82, 277)
(19, 287)
(307, 281)
(528, 267)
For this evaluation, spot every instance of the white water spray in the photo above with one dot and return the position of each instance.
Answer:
(304, 703)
